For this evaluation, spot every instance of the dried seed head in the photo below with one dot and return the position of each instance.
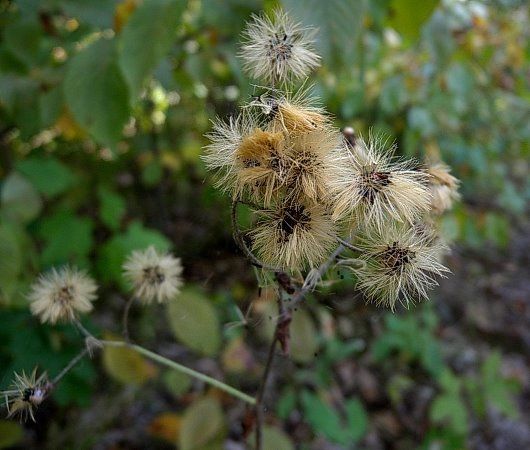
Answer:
(153, 275)
(371, 189)
(291, 113)
(276, 49)
(310, 163)
(220, 155)
(261, 165)
(443, 187)
(399, 264)
(60, 294)
(26, 394)
(293, 236)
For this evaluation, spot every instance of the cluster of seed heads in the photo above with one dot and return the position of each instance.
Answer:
(310, 184)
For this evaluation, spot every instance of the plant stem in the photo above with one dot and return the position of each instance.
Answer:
(125, 318)
(183, 369)
(70, 366)
(309, 285)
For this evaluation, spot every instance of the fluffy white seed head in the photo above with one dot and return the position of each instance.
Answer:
(276, 49)
(400, 264)
(153, 276)
(293, 236)
(371, 188)
(220, 156)
(61, 294)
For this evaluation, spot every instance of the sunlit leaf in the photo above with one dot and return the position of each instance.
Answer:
(127, 366)
(408, 16)
(203, 426)
(194, 321)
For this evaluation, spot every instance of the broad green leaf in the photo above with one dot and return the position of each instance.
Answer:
(448, 408)
(113, 253)
(127, 366)
(203, 425)
(96, 91)
(408, 16)
(194, 321)
(304, 337)
(11, 433)
(19, 200)
(146, 38)
(272, 438)
(112, 207)
(67, 238)
(49, 175)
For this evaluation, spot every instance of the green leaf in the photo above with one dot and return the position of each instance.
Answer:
(113, 253)
(272, 438)
(304, 337)
(11, 433)
(112, 207)
(146, 38)
(203, 425)
(96, 91)
(19, 200)
(357, 419)
(408, 16)
(323, 418)
(50, 176)
(67, 238)
(194, 321)
(448, 409)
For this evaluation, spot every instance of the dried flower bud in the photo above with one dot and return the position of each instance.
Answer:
(276, 49)
(61, 294)
(399, 264)
(443, 187)
(294, 236)
(370, 188)
(153, 275)
(26, 394)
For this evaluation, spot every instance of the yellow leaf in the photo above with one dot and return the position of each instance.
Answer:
(126, 365)
(166, 426)
(203, 426)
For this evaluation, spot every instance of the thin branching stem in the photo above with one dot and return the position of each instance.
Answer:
(183, 369)
(125, 318)
(69, 366)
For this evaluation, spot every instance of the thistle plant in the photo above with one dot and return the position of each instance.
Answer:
(322, 197)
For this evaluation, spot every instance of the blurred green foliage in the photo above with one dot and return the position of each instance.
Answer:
(103, 107)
